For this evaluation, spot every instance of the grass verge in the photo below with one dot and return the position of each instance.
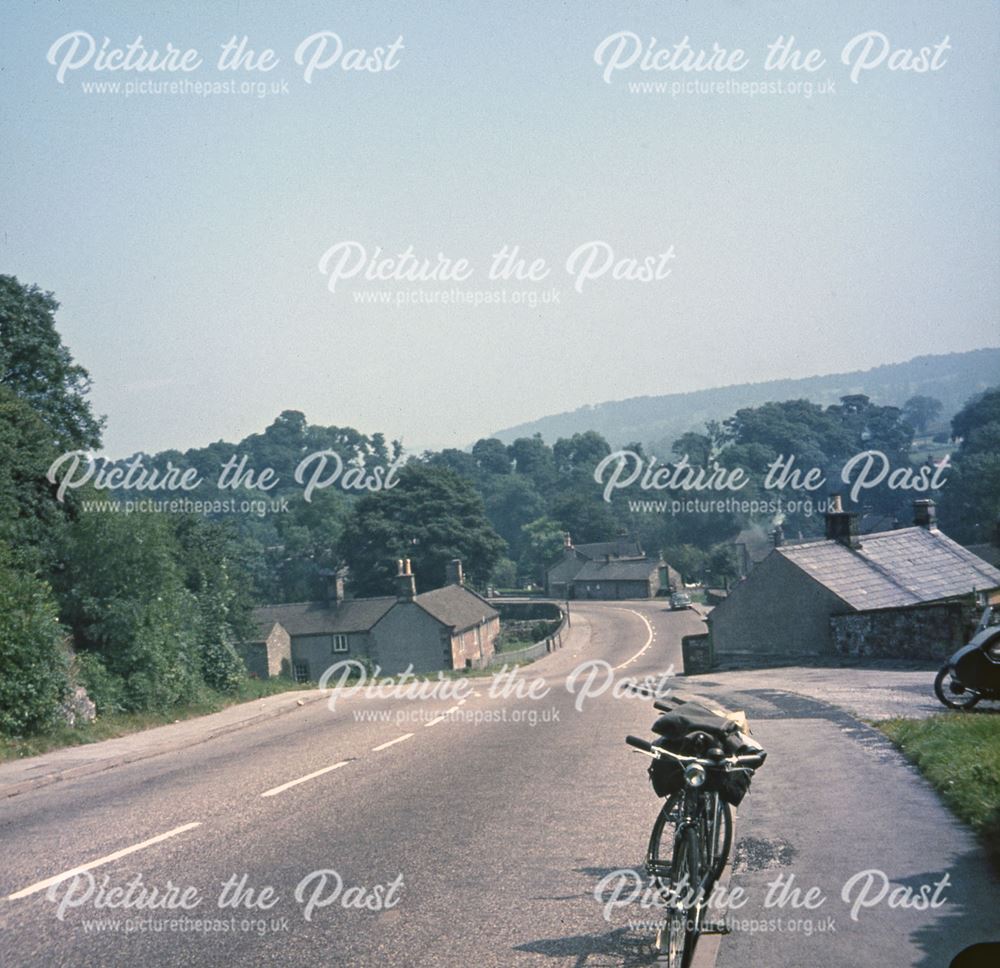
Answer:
(121, 724)
(959, 753)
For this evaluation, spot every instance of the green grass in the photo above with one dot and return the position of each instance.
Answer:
(513, 645)
(121, 724)
(959, 753)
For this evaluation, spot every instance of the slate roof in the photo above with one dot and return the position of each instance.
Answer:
(618, 569)
(319, 618)
(892, 569)
(456, 606)
(622, 547)
(452, 605)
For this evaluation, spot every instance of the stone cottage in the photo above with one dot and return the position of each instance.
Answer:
(608, 570)
(451, 627)
(909, 592)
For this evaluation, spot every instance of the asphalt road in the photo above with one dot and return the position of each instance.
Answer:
(477, 830)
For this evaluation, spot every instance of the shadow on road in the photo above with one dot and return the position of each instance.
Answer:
(620, 947)
(941, 940)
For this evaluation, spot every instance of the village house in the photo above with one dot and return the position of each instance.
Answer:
(446, 628)
(608, 570)
(903, 593)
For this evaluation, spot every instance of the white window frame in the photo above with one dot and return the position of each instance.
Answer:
(339, 644)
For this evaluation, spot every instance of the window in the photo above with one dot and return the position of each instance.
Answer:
(301, 670)
(340, 643)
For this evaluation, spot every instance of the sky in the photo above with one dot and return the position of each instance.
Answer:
(182, 232)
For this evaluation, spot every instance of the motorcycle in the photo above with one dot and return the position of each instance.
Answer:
(973, 672)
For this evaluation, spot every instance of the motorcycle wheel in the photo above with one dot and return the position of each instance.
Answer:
(953, 700)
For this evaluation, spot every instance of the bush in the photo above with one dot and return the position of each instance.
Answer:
(106, 689)
(33, 662)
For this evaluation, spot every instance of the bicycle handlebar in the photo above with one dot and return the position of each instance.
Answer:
(751, 761)
(641, 744)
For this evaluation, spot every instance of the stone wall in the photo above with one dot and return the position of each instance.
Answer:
(924, 632)
(777, 611)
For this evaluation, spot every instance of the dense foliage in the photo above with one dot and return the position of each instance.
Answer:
(141, 609)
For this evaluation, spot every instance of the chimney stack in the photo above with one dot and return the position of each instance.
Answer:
(567, 541)
(333, 593)
(925, 514)
(778, 536)
(406, 583)
(842, 525)
(453, 572)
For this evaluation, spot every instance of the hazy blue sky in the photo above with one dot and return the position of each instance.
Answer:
(182, 233)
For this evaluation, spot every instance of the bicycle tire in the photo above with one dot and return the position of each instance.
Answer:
(659, 862)
(682, 921)
(660, 851)
(714, 860)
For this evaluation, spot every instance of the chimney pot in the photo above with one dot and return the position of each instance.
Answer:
(406, 583)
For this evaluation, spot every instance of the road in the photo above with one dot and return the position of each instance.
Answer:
(480, 828)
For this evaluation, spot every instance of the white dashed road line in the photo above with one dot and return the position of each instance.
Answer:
(124, 852)
(392, 742)
(274, 791)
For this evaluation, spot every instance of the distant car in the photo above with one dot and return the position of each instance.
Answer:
(679, 601)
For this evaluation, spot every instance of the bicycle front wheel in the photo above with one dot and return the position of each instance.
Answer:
(679, 934)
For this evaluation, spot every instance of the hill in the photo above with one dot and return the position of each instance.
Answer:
(658, 420)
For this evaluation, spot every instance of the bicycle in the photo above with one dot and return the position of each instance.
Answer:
(692, 835)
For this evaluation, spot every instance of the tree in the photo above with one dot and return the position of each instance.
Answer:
(581, 451)
(585, 516)
(532, 457)
(491, 456)
(981, 411)
(33, 663)
(309, 549)
(543, 543)
(511, 502)
(919, 411)
(36, 366)
(459, 461)
(430, 516)
(30, 517)
(970, 497)
(697, 447)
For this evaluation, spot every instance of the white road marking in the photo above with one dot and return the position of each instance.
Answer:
(274, 791)
(434, 722)
(392, 742)
(649, 638)
(124, 852)
(462, 702)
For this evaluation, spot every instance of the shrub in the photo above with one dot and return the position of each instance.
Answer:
(33, 662)
(106, 689)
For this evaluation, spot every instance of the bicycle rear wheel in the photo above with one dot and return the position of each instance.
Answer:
(716, 837)
(660, 852)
